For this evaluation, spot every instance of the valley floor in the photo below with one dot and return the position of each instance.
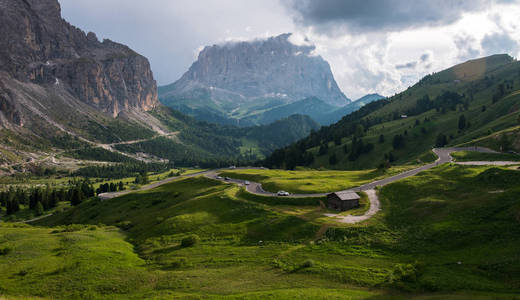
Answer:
(451, 232)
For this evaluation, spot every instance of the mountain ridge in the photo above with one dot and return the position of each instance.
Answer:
(44, 49)
(232, 78)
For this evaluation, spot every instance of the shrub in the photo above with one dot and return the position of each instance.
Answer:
(5, 251)
(190, 241)
(181, 262)
(307, 264)
(125, 225)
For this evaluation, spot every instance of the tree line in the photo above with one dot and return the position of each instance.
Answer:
(41, 199)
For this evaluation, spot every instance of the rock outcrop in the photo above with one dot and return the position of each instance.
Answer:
(257, 73)
(39, 47)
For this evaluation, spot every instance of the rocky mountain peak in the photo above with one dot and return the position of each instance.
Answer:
(39, 47)
(237, 73)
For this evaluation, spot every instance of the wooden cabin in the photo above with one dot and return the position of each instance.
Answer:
(343, 200)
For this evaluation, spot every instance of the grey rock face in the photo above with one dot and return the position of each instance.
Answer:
(248, 72)
(39, 47)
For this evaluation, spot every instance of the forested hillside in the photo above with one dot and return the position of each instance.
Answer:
(455, 106)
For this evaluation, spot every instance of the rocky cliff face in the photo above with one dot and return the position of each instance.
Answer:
(38, 47)
(250, 72)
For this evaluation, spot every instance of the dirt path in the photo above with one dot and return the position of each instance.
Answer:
(36, 219)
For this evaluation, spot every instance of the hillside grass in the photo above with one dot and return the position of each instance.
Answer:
(479, 156)
(477, 82)
(74, 262)
(312, 181)
(250, 249)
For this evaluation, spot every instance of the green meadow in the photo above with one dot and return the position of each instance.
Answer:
(312, 181)
(478, 156)
(434, 239)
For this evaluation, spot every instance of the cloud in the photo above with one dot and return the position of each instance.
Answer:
(498, 43)
(425, 57)
(371, 45)
(408, 65)
(467, 47)
(169, 33)
(381, 15)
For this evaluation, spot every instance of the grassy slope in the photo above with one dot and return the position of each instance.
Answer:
(440, 221)
(83, 263)
(414, 245)
(496, 141)
(421, 138)
(311, 181)
(476, 156)
(255, 248)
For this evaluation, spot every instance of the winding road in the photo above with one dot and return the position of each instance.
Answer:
(369, 188)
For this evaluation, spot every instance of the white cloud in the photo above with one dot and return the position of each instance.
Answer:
(171, 34)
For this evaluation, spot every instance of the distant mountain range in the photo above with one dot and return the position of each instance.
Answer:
(257, 82)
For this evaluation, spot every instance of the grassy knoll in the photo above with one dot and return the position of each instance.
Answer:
(478, 156)
(251, 248)
(312, 181)
(70, 263)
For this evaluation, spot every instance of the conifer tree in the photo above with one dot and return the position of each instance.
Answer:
(39, 209)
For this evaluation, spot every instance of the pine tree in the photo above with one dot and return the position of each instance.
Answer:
(36, 196)
(337, 140)
(39, 209)
(333, 159)
(462, 122)
(77, 197)
(398, 141)
(145, 179)
(441, 141)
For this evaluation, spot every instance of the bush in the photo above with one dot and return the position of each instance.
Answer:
(307, 264)
(125, 225)
(5, 251)
(190, 241)
(179, 263)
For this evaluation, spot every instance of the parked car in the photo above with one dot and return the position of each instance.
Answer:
(232, 167)
(219, 177)
(247, 182)
(227, 178)
(282, 193)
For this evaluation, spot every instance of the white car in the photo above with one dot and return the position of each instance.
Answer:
(282, 193)
(219, 177)
(232, 167)
(247, 182)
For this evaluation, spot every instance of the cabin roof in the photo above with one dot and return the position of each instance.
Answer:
(346, 195)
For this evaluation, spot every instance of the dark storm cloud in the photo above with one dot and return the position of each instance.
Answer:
(383, 15)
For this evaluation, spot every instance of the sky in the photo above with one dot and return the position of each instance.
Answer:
(372, 46)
